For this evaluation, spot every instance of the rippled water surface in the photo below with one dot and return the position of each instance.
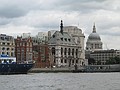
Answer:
(61, 81)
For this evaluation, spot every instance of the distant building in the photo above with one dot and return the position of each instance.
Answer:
(94, 41)
(102, 56)
(7, 45)
(26, 35)
(41, 50)
(23, 50)
(78, 37)
(41, 38)
(41, 56)
(64, 50)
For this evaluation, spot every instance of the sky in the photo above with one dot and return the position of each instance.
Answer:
(33, 16)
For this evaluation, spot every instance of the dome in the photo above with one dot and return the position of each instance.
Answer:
(94, 41)
(94, 36)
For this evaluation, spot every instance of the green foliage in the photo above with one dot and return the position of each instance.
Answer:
(91, 61)
(98, 62)
(113, 60)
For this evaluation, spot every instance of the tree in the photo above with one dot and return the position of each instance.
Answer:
(113, 60)
(91, 61)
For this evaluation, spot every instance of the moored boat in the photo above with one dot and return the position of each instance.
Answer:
(8, 65)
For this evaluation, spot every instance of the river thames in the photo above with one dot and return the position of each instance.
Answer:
(61, 81)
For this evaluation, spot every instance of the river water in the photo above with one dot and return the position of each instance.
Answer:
(61, 81)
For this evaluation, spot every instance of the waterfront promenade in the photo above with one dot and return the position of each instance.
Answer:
(60, 69)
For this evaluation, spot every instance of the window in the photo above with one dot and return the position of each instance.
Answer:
(65, 51)
(69, 40)
(3, 43)
(8, 48)
(3, 48)
(10, 61)
(53, 36)
(61, 39)
(12, 54)
(8, 43)
(72, 61)
(2, 38)
(76, 52)
(7, 53)
(3, 52)
(65, 61)
(53, 51)
(5, 61)
(65, 39)
(91, 45)
(12, 48)
(76, 61)
(61, 60)
(73, 52)
(61, 51)
(69, 51)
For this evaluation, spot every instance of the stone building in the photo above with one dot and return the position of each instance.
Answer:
(23, 49)
(64, 50)
(94, 41)
(78, 37)
(102, 56)
(7, 45)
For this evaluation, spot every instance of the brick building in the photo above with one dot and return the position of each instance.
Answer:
(23, 50)
(40, 51)
(41, 55)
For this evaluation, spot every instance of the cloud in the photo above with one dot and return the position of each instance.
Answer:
(16, 8)
(11, 12)
(20, 16)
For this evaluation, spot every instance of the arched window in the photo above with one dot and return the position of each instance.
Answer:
(53, 51)
(65, 61)
(76, 61)
(76, 52)
(65, 51)
(69, 51)
(73, 52)
(61, 51)
(61, 60)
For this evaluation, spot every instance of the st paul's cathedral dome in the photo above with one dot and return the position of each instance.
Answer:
(94, 41)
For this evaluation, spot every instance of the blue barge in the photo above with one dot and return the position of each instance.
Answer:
(8, 65)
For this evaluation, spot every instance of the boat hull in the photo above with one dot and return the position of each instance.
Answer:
(15, 68)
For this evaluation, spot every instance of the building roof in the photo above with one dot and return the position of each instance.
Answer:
(94, 36)
(61, 38)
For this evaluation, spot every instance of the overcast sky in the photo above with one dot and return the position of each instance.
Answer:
(33, 16)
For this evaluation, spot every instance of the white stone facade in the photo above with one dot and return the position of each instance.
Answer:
(94, 41)
(78, 37)
(102, 56)
(67, 48)
(7, 45)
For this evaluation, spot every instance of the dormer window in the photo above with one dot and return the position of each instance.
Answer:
(65, 39)
(61, 39)
(53, 36)
(69, 40)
